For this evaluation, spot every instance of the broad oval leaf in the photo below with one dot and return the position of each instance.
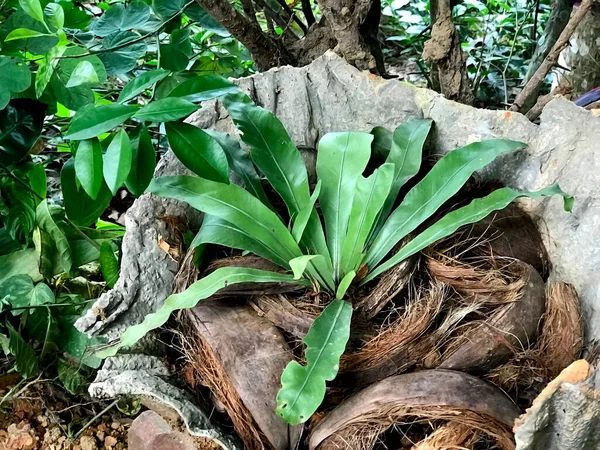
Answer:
(118, 57)
(200, 290)
(20, 127)
(47, 224)
(26, 361)
(341, 160)
(120, 18)
(442, 182)
(143, 161)
(84, 74)
(203, 88)
(117, 161)
(33, 8)
(81, 209)
(16, 291)
(92, 122)
(198, 151)
(46, 68)
(303, 387)
(172, 58)
(55, 14)
(166, 110)
(88, 166)
(23, 33)
(109, 264)
(473, 212)
(140, 84)
(37, 179)
(14, 77)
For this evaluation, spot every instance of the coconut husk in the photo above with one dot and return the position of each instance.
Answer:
(451, 435)
(561, 339)
(283, 314)
(390, 284)
(240, 358)
(397, 346)
(512, 327)
(421, 396)
(251, 262)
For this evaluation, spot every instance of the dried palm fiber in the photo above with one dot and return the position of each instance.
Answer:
(389, 284)
(418, 397)
(240, 357)
(450, 436)
(187, 273)
(283, 314)
(560, 344)
(512, 327)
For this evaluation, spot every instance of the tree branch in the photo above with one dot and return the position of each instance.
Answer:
(308, 12)
(531, 88)
(266, 51)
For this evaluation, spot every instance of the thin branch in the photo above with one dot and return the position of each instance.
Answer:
(563, 41)
(536, 111)
(308, 12)
(292, 15)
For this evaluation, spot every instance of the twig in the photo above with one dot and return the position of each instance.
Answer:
(293, 16)
(512, 50)
(563, 41)
(308, 12)
(96, 417)
(561, 89)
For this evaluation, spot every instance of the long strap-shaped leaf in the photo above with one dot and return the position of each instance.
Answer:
(406, 152)
(341, 160)
(369, 198)
(279, 160)
(241, 164)
(200, 290)
(234, 205)
(303, 387)
(473, 212)
(442, 182)
(215, 230)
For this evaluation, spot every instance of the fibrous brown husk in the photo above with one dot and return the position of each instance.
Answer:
(511, 328)
(421, 396)
(450, 436)
(241, 358)
(283, 314)
(397, 346)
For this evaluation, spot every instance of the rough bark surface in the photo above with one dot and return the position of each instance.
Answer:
(583, 55)
(444, 50)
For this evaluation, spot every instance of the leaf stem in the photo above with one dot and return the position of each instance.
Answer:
(96, 417)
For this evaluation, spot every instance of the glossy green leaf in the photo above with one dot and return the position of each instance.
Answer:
(77, 344)
(199, 89)
(344, 285)
(275, 154)
(303, 387)
(55, 14)
(166, 110)
(117, 161)
(382, 143)
(120, 18)
(26, 361)
(45, 250)
(302, 218)
(200, 290)
(23, 33)
(341, 160)
(20, 262)
(143, 161)
(20, 19)
(46, 67)
(299, 264)
(42, 326)
(119, 58)
(369, 198)
(16, 291)
(14, 77)
(205, 20)
(20, 127)
(88, 166)
(83, 75)
(198, 151)
(42, 295)
(37, 179)
(215, 230)
(47, 223)
(440, 184)
(98, 120)
(241, 165)
(139, 84)
(473, 212)
(80, 207)
(33, 8)
(109, 264)
(172, 58)
(234, 205)
(166, 9)
(71, 377)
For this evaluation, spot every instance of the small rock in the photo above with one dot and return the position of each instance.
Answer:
(100, 435)
(109, 442)
(173, 441)
(144, 430)
(115, 425)
(88, 443)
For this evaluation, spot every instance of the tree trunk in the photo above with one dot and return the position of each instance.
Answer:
(444, 50)
(583, 55)
(348, 26)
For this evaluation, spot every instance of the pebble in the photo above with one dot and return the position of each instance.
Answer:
(88, 443)
(109, 442)
(115, 425)
(100, 435)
